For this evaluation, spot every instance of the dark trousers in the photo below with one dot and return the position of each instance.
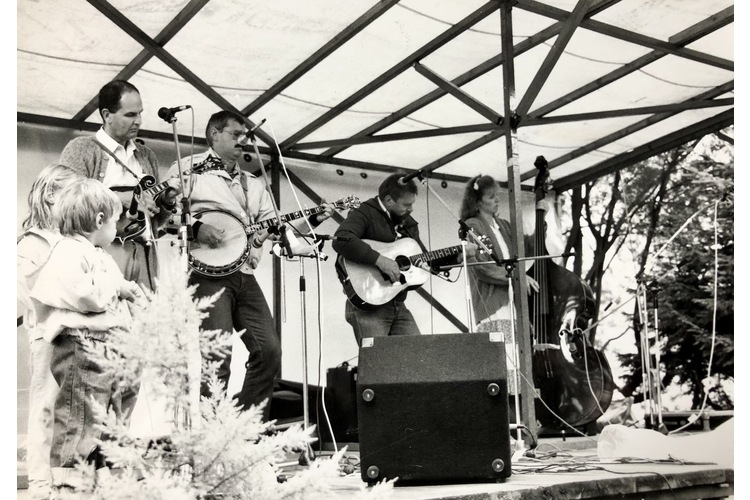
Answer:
(392, 318)
(242, 306)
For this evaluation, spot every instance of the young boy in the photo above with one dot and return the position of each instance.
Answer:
(80, 296)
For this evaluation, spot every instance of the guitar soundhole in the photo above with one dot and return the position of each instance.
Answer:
(403, 263)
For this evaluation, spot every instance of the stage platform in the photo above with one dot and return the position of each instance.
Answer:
(560, 470)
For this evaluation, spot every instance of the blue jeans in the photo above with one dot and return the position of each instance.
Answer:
(81, 379)
(392, 318)
(242, 306)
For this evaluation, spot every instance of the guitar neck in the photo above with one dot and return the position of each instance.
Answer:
(435, 254)
(266, 223)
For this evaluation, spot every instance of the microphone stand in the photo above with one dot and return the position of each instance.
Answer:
(654, 288)
(462, 235)
(185, 235)
(185, 232)
(286, 249)
(463, 232)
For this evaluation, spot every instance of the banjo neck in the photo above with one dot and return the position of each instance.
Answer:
(266, 223)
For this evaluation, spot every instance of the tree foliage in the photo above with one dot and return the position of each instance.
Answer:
(207, 448)
(664, 211)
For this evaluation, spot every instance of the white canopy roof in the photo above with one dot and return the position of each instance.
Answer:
(599, 84)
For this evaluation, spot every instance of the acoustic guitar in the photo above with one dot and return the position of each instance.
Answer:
(366, 286)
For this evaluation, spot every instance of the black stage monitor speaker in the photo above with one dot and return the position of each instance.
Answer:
(433, 408)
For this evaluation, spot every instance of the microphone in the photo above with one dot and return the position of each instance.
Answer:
(301, 251)
(424, 266)
(403, 180)
(250, 134)
(167, 114)
(613, 303)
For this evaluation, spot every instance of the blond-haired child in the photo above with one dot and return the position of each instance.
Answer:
(82, 298)
(32, 251)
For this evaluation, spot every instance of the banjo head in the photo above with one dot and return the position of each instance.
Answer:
(229, 255)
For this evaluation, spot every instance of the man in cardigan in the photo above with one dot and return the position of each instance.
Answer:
(115, 157)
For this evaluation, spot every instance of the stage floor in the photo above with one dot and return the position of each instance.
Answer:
(566, 470)
(561, 470)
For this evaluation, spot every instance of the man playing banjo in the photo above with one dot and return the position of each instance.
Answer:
(218, 187)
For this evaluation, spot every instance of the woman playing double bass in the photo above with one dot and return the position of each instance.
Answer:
(489, 283)
(574, 380)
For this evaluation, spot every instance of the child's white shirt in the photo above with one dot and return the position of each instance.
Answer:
(78, 288)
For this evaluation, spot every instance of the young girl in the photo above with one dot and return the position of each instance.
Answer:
(32, 251)
(81, 297)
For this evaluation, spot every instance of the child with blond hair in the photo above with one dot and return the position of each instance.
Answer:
(33, 248)
(81, 298)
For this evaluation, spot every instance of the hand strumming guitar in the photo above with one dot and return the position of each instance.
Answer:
(389, 267)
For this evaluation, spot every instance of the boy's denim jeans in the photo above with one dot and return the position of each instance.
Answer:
(82, 382)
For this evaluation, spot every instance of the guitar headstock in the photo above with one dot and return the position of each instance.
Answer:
(346, 203)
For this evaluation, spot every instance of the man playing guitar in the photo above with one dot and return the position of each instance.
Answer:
(384, 218)
(218, 185)
(120, 161)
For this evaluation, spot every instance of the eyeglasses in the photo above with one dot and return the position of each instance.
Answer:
(236, 134)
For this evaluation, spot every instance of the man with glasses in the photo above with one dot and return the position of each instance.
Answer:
(218, 183)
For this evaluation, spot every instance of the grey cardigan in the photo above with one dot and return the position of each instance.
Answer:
(489, 283)
(84, 155)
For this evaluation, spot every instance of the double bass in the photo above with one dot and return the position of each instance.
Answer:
(573, 378)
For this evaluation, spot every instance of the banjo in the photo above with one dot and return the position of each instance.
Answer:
(234, 249)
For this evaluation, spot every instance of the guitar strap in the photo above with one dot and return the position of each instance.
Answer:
(137, 186)
(119, 161)
(237, 171)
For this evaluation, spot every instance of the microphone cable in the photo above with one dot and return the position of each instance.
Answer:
(321, 393)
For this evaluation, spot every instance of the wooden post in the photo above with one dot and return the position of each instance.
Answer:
(520, 287)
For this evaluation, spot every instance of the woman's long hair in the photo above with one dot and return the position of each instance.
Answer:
(473, 193)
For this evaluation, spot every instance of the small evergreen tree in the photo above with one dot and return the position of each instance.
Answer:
(212, 450)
